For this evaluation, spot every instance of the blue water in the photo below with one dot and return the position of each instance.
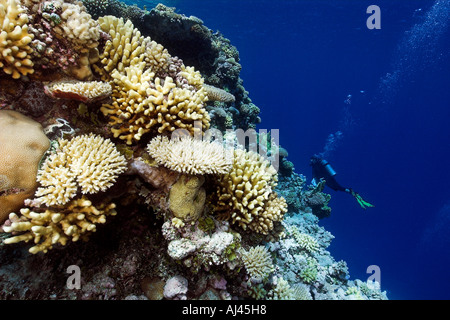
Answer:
(301, 59)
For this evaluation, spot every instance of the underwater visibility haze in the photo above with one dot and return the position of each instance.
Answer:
(364, 85)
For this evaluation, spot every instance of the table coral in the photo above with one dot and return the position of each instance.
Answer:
(190, 155)
(57, 224)
(84, 91)
(22, 145)
(88, 162)
(15, 40)
(217, 94)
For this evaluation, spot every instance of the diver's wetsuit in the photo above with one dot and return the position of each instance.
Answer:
(321, 169)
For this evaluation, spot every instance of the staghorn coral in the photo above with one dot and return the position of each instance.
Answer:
(22, 146)
(15, 40)
(190, 155)
(88, 162)
(84, 91)
(217, 94)
(258, 263)
(56, 225)
(245, 194)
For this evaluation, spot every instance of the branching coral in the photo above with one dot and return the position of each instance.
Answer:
(58, 224)
(305, 241)
(190, 155)
(88, 162)
(142, 101)
(85, 91)
(22, 145)
(245, 194)
(258, 263)
(14, 39)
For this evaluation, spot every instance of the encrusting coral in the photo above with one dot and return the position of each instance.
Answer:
(187, 197)
(22, 146)
(57, 224)
(15, 40)
(245, 194)
(88, 162)
(190, 155)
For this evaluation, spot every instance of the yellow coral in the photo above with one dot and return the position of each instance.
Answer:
(88, 162)
(245, 194)
(258, 263)
(190, 155)
(22, 145)
(187, 197)
(85, 91)
(143, 102)
(57, 225)
(128, 47)
(14, 39)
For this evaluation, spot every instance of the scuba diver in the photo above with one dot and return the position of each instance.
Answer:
(321, 169)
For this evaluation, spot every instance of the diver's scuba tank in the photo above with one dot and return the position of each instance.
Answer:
(328, 167)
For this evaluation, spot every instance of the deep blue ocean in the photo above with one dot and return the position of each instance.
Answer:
(376, 102)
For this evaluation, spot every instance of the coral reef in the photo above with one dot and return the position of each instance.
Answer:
(103, 85)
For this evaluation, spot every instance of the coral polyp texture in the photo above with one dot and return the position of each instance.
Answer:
(22, 146)
(143, 101)
(246, 194)
(190, 155)
(258, 263)
(88, 163)
(84, 91)
(57, 225)
(15, 40)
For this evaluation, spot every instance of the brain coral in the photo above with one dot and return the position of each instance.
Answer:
(245, 194)
(14, 40)
(190, 155)
(22, 145)
(142, 101)
(58, 224)
(88, 162)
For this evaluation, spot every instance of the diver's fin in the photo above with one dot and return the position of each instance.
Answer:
(361, 201)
